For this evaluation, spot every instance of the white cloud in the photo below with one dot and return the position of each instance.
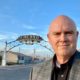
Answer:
(28, 27)
(33, 33)
(14, 36)
(78, 28)
(8, 36)
(2, 37)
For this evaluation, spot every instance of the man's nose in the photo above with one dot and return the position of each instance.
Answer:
(63, 37)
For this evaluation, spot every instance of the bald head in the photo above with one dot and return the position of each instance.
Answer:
(63, 36)
(62, 20)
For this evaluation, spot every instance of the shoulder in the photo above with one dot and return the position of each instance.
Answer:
(40, 70)
(77, 58)
(42, 64)
(77, 54)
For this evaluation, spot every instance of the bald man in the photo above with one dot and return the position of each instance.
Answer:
(65, 64)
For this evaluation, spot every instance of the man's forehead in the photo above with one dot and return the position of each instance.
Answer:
(62, 23)
(61, 28)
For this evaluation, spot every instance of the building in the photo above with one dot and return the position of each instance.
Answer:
(16, 58)
(19, 58)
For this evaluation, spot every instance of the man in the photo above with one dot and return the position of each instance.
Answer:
(65, 64)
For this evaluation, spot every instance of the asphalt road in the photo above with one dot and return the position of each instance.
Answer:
(20, 72)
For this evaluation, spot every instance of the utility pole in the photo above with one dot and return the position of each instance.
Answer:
(19, 49)
(4, 55)
(34, 53)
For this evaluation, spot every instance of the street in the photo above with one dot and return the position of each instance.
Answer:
(19, 72)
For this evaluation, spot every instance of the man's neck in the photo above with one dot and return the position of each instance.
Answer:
(62, 60)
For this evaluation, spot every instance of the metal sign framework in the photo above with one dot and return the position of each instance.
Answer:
(24, 39)
(30, 39)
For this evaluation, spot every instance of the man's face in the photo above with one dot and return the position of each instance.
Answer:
(63, 38)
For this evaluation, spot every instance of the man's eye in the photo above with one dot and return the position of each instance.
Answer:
(69, 33)
(56, 34)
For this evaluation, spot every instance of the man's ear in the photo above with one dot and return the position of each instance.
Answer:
(77, 33)
(48, 37)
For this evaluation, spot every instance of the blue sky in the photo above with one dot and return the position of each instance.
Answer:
(21, 17)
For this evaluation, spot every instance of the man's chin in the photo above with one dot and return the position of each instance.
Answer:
(64, 53)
